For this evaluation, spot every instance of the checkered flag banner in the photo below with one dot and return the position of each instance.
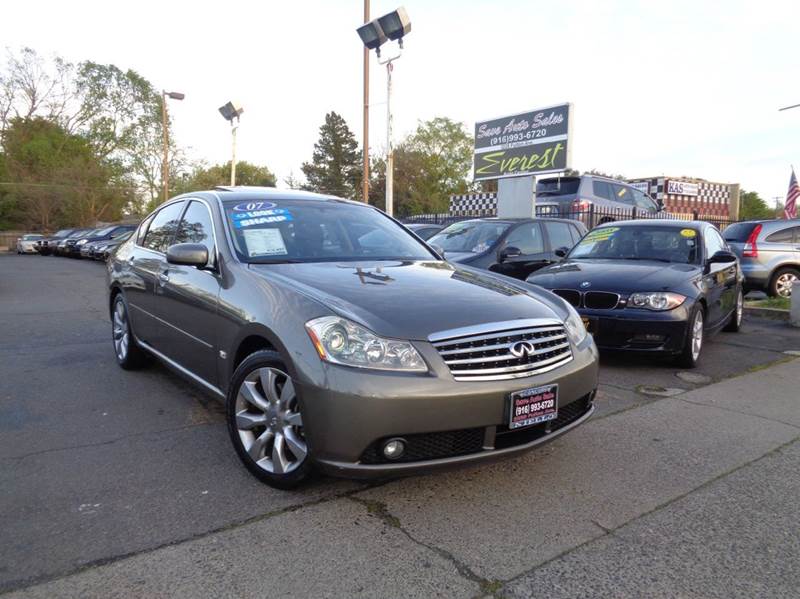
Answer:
(790, 209)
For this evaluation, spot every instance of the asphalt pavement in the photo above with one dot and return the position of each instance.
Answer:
(118, 484)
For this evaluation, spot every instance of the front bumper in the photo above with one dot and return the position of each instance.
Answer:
(639, 330)
(457, 423)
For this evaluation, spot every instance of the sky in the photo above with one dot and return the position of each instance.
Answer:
(659, 88)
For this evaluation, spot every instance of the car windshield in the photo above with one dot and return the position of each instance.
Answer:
(122, 236)
(81, 233)
(317, 231)
(644, 242)
(101, 232)
(472, 236)
(31, 236)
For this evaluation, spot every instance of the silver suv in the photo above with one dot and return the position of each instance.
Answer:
(579, 197)
(769, 252)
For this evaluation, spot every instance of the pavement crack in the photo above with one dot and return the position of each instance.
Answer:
(378, 509)
(23, 456)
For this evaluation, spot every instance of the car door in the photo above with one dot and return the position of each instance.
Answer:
(186, 299)
(720, 279)
(145, 264)
(529, 239)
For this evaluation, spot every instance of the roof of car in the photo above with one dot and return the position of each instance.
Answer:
(661, 222)
(244, 193)
(511, 221)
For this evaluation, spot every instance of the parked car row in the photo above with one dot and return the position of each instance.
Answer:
(82, 243)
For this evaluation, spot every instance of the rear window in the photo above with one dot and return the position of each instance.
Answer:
(738, 232)
(558, 186)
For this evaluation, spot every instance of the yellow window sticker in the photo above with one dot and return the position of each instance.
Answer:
(603, 234)
(689, 233)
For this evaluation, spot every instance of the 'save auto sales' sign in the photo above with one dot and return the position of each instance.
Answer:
(530, 143)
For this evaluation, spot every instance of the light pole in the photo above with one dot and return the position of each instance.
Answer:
(392, 26)
(365, 169)
(165, 127)
(230, 112)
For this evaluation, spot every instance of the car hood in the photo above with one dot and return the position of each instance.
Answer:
(622, 276)
(411, 300)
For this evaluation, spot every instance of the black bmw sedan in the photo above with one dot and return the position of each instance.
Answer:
(651, 285)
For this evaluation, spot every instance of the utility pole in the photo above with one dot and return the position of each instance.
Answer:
(165, 126)
(365, 175)
(233, 152)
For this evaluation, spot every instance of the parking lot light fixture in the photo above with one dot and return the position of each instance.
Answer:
(165, 126)
(392, 26)
(231, 111)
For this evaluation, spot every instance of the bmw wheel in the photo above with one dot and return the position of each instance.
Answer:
(265, 421)
(693, 344)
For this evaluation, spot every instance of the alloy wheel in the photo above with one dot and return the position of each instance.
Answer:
(783, 285)
(268, 421)
(697, 335)
(739, 308)
(121, 331)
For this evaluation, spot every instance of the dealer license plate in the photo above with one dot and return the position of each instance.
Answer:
(532, 406)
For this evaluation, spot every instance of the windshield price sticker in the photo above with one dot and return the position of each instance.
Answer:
(601, 234)
(257, 213)
(252, 206)
(688, 233)
(264, 242)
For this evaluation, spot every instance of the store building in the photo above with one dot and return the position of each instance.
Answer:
(686, 195)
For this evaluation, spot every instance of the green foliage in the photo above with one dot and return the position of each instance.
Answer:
(208, 177)
(753, 207)
(335, 166)
(57, 176)
(429, 165)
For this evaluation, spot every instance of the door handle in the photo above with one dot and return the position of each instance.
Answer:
(163, 278)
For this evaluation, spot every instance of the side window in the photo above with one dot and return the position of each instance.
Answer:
(527, 237)
(196, 227)
(622, 194)
(713, 242)
(643, 202)
(602, 189)
(162, 227)
(787, 235)
(143, 230)
(559, 234)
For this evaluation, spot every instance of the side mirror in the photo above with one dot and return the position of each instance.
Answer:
(722, 257)
(507, 253)
(439, 250)
(188, 254)
(561, 252)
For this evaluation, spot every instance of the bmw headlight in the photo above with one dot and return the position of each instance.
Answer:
(82, 241)
(658, 300)
(341, 341)
(576, 331)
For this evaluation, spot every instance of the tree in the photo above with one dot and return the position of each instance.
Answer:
(58, 178)
(208, 177)
(431, 164)
(753, 207)
(335, 166)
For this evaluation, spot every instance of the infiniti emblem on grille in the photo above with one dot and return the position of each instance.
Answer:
(585, 284)
(521, 348)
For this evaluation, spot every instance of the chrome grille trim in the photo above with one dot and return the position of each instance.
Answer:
(485, 354)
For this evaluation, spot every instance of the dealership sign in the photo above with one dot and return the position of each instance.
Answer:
(530, 143)
(682, 188)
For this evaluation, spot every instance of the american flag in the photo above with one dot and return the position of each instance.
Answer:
(790, 209)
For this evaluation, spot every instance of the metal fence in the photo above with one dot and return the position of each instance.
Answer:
(591, 216)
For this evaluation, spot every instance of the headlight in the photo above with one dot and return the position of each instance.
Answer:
(658, 300)
(576, 331)
(340, 341)
(82, 241)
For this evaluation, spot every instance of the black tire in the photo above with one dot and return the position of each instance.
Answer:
(132, 356)
(735, 323)
(689, 357)
(775, 283)
(262, 436)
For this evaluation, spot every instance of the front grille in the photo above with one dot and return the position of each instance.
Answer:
(429, 446)
(488, 356)
(600, 300)
(573, 297)
(566, 415)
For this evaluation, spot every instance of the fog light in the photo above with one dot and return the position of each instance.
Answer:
(394, 448)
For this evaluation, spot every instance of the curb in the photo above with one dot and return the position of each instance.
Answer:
(770, 313)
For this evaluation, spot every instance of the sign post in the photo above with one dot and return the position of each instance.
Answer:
(516, 148)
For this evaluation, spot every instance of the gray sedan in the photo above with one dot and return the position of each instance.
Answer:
(339, 340)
